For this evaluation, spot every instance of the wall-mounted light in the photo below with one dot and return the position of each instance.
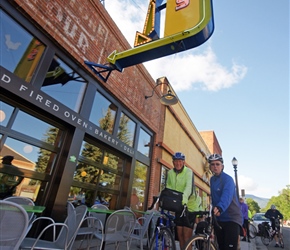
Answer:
(169, 98)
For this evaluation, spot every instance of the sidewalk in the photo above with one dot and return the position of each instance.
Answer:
(248, 245)
(135, 246)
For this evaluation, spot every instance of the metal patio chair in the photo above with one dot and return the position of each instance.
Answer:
(118, 228)
(67, 234)
(13, 225)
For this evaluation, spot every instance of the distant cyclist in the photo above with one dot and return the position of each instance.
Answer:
(273, 214)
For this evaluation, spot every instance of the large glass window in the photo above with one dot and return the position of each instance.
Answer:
(139, 186)
(144, 143)
(103, 113)
(126, 130)
(33, 145)
(99, 173)
(163, 177)
(20, 51)
(40, 129)
(64, 84)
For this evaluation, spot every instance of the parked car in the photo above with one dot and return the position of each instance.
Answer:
(258, 218)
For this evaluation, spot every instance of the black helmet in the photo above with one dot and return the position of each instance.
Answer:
(215, 157)
(178, 156)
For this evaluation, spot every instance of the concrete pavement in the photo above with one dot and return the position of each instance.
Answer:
(244, 245)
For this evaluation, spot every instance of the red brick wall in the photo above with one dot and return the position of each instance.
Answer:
(87, 32)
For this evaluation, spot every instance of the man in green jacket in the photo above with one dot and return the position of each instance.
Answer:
(180, 178)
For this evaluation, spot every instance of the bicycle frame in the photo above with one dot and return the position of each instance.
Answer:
(206, 239)
(164, 235)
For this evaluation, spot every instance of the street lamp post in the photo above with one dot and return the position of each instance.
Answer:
(235, 164)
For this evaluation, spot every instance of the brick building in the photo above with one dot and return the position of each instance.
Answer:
(85, 138)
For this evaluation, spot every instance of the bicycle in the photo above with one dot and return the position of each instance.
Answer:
(164, 233)
(253, 232)
(267, 233)
(205, 238)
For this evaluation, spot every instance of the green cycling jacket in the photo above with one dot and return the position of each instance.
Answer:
(183, 182)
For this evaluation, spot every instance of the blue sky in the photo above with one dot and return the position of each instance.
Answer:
(237, 84)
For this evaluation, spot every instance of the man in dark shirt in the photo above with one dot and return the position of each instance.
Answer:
(274, 215)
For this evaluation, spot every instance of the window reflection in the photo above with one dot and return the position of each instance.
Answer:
(91, 152)
(112, 161)
(27, 188)
(86, 173)
(139, 186)
(102, 169)
(5, 113)
(103, 113)
(64, 84)
(144, 142)
(79, 196)
(22, 51)
(126, 130)
(164, 172)
(110, 180)
(28, 156)
(32, 126)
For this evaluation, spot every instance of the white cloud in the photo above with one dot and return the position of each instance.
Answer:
(251, 186)
(185, 71)
(190, 71)
(248, 184)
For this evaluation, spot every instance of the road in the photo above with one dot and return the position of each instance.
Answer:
(286, 234)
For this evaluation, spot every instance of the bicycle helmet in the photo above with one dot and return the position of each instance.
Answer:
(215, 157)
(178, 156)
(273, 207)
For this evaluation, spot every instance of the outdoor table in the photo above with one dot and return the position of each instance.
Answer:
(33, 209)
(103, 211)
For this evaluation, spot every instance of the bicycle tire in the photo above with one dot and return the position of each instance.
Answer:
(252, 231)
(266, 237)
(198, 242)
(163, 240)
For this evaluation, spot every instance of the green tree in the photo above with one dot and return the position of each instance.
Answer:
(107, 122)
(282, 202)
(253, 206)
(124, 132)
(139, 181)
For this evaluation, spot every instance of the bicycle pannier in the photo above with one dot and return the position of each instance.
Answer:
(171, 200)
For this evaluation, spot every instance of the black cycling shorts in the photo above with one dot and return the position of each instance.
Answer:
(185, 221)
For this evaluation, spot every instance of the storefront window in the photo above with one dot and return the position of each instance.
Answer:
(86, 173)
(112, 161)
(144, 143)
(91, 152)
(5, 113)
(139, 186)
(79, 196)
(29, 156)
(110, 180)
(164, 172)
(20, 51)
(98, 176)
(31, 126)
(103, 113)
(126, 130)
(64, 84)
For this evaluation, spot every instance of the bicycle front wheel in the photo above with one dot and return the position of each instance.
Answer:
(253, 231)
(266, 237)
(163, 240)
(199, 242)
